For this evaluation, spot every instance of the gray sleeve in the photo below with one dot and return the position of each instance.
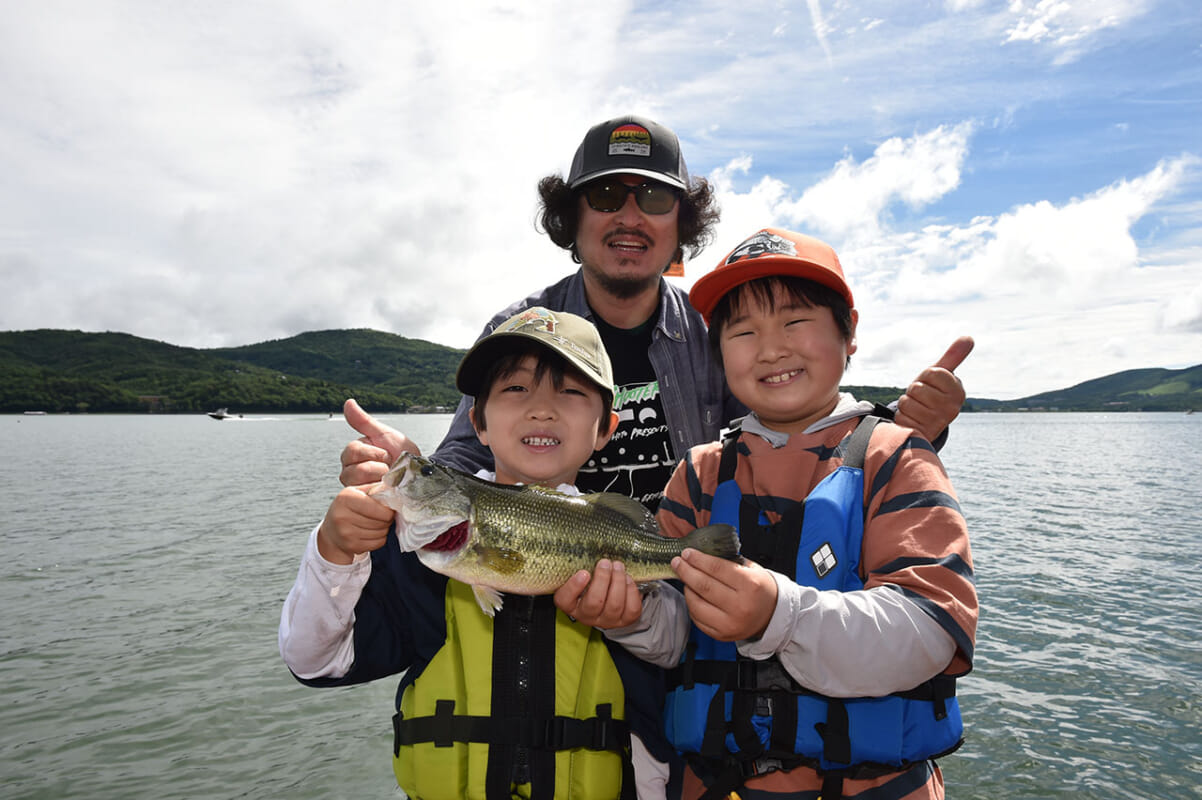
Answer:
(660, 634)
(873, 641)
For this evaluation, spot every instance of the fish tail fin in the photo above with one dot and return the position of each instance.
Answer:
(719, 540)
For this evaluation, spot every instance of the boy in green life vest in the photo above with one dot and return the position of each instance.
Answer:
(529, 703)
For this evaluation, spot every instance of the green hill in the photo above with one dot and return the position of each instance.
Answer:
(72, 371)
(55, 371)
(1132, 390)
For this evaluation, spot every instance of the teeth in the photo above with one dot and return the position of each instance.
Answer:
(540, 441)
(781, 378)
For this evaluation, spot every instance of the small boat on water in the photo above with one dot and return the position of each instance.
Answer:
(221, 413)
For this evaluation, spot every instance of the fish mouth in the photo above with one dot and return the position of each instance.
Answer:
(451, 540)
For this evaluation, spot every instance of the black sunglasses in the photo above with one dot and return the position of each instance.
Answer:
(608, 196)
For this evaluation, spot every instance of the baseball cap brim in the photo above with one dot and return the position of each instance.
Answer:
(643, 173)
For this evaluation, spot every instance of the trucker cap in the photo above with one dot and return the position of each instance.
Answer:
(633, 145)
(771, 251)
(573, 337)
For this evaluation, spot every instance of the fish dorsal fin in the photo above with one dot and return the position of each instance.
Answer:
(624, 507)
(536, 489)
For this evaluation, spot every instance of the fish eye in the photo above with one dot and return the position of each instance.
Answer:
(427, 470)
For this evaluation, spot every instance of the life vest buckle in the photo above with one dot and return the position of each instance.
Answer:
(762, 675)
(556, 733)
(760, 766)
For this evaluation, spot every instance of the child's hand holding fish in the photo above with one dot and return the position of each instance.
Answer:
(728, 600)
(605, 598)
(355, 523)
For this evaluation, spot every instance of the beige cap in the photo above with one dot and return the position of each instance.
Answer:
(573, 337)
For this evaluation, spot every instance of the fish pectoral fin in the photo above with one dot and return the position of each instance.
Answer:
(489, 599)
(501, 560)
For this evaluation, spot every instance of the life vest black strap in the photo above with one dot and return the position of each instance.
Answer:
(445, 728)
(730, 457)
(835, 733)
(856, 448)
(770, 675)
(774, 546)
(832, 786)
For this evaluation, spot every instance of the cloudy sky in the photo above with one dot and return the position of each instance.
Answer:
(227, 172)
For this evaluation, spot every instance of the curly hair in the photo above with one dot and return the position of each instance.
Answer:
(559, 213)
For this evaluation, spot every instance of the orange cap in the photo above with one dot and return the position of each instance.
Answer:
(770, 252)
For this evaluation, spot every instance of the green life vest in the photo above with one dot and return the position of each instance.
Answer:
(527, 705)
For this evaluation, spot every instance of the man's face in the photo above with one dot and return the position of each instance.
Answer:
(625, 251)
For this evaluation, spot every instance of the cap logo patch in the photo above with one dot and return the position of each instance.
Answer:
(630, 140)
(537, 318)
(763, 244)
(823, 560)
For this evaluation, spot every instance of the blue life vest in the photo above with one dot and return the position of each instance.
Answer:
(735, 717)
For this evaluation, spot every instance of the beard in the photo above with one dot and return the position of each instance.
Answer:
(622, 288)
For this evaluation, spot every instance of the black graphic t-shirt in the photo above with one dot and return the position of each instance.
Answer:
(638, 459)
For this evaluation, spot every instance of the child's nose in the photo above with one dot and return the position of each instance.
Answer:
(542, 404)
(772, 346)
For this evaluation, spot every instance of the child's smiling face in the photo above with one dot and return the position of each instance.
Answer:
(785, 364)
(540, 433)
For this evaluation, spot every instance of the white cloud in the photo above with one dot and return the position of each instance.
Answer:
(304, 165)
(854, 198)
(1066, 24)
(819, 27)
(1041, 275)
(1183, 312)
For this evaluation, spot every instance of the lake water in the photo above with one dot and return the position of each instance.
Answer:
(144, 561)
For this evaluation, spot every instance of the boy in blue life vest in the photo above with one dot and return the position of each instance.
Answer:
(826, 663)
(529, 703)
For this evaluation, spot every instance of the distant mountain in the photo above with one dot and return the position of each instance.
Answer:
(72, 371)
(56, 370)
(1132, 390)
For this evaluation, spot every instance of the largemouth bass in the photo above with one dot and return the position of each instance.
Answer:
(527, 539)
